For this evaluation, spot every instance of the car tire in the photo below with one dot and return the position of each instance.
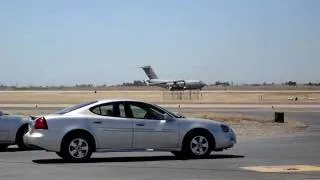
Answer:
(198, 145)
(179, 154)
(3, 147)
(59, 154)
(76, 147)
(19, 138)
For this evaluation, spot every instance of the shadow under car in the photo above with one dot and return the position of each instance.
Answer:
(132, 159)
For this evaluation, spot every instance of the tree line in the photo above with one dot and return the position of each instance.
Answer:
(142, 83)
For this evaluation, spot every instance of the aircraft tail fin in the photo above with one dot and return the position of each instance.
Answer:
(149, 72)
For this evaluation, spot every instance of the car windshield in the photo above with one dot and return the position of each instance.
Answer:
(170, 113)
(75, 107)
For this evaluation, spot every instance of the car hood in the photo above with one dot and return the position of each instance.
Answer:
(201, 120)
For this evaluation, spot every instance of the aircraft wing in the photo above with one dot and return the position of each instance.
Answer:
(170, 82)
(178, 81)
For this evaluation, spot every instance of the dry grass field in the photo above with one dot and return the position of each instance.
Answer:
(253, 126)
(203, 97)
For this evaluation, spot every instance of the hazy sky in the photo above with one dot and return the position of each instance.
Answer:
(55, 42)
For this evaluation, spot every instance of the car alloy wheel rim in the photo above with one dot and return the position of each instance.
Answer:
(199, 145)
(78, 148)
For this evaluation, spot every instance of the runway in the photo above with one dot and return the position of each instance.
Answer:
(296, 149)
(186, 106)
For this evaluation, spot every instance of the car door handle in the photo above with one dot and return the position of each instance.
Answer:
(140, 124)
(97, 122)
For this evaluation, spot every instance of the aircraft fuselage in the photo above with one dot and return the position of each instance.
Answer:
(177, 85)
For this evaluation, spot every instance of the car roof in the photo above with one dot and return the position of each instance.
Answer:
(99, 101)
(92, 103)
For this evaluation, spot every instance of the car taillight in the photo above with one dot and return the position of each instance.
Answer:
(41, 123)
(224, 128)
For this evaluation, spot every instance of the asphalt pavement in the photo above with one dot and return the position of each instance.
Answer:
(292, 149)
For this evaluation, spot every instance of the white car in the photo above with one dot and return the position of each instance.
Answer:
(12, 130)
(76, 132)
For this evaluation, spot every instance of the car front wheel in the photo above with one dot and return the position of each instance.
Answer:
(198, 145)
(76, 148)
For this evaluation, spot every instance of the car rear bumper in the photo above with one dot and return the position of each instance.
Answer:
(42, 140)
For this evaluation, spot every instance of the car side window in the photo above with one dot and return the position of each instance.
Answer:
(138, 112)
(145, 111)
(122, 111)
(105, 110)
(96, 110)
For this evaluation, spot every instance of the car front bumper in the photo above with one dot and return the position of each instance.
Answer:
(226, 140)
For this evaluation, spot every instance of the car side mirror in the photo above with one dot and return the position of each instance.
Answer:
(167, 117)
(180, 115)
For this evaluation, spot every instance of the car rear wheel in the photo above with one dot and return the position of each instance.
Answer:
(19, 139)
(76, 148)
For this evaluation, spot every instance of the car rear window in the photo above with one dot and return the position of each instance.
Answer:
(75, 107)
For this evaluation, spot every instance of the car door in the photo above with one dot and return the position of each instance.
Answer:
(4, 127)
(150, 129)
(113, 129)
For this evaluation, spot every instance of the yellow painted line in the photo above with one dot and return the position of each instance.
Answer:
(284, 168)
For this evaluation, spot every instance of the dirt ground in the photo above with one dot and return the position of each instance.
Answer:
(247, 126)
(243, 125)
(200, 97)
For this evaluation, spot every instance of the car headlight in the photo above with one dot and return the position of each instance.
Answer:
(225, 128)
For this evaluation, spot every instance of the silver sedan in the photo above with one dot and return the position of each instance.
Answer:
(12, 129)
(74, 133)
